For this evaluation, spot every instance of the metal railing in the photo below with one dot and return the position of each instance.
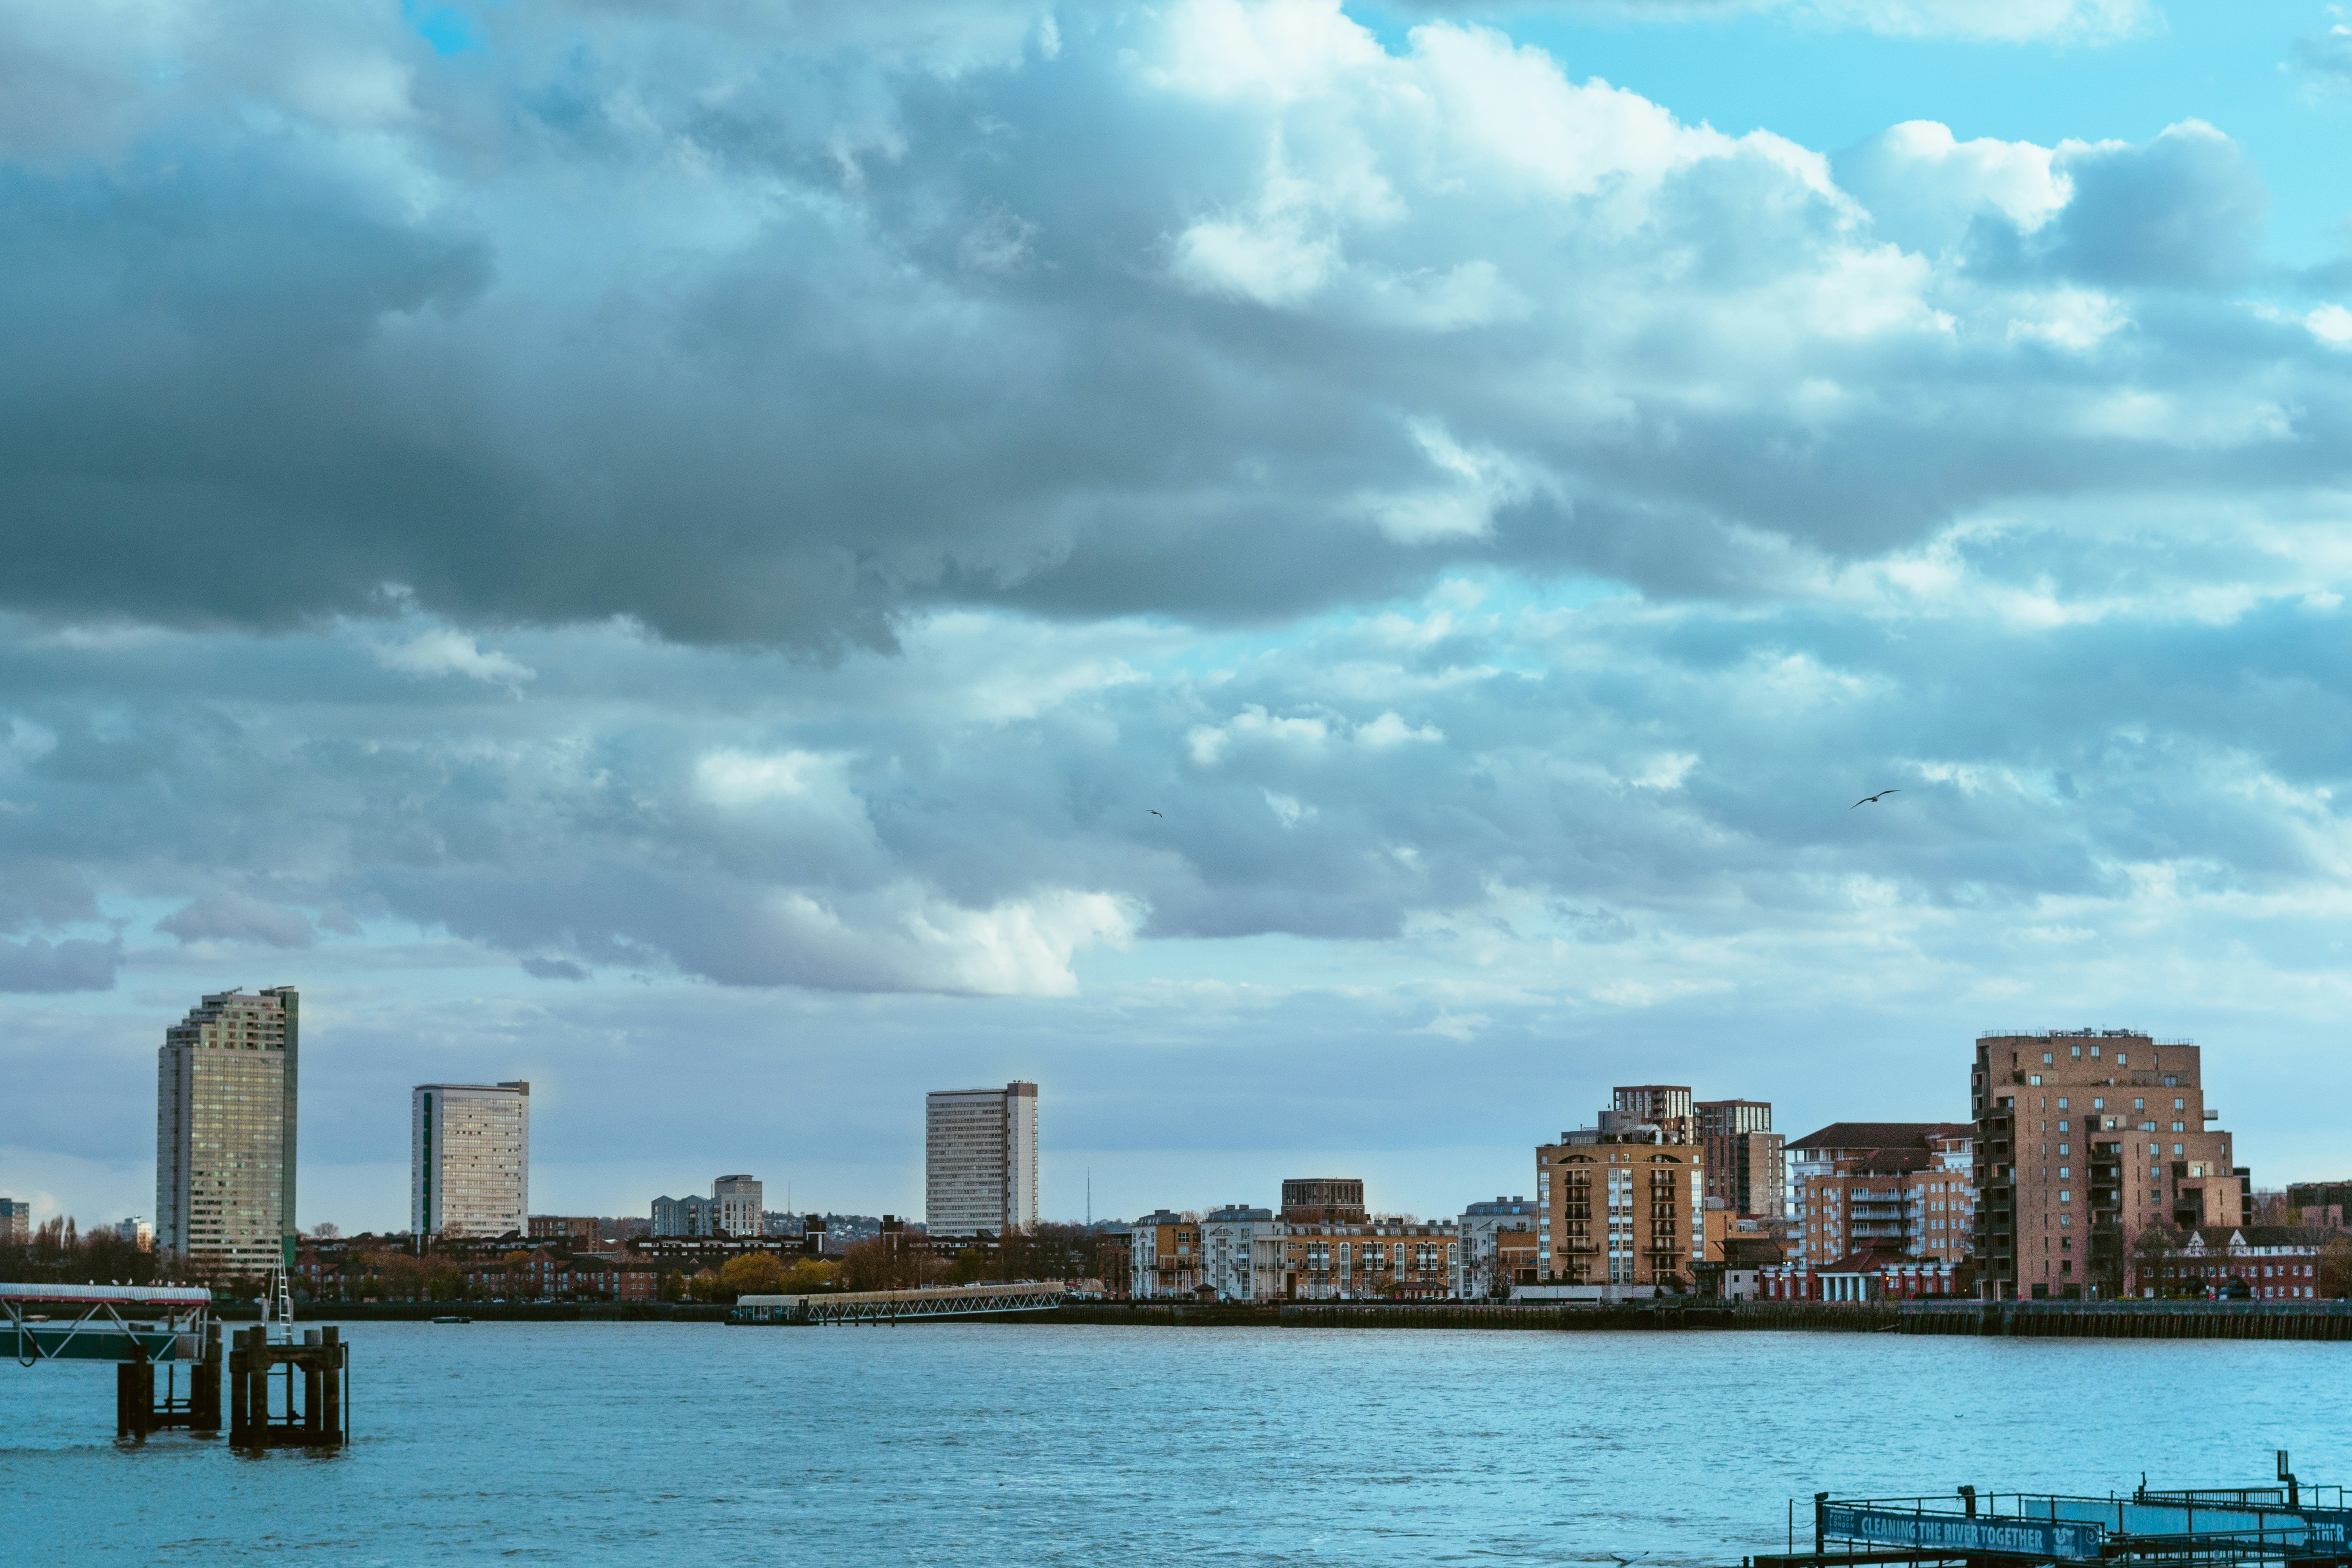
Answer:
(2149, 1527)
(102, 1322)
(895, 1306)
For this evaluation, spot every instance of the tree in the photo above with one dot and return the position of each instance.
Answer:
(2155, 1242)
(326, 1230)
(673, 1285)
(970, 1267)
(752, 1274)
(809, 1274)
(889, 1263)
(2335, 1266)
(704, 1286)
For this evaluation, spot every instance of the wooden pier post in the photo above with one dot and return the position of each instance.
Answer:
(245, 1375)
(134, 1397)
(311, 1382)
(205, 1383)
(330, 1394)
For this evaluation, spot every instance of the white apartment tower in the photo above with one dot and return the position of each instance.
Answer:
(980, 1159)
(226, 1088)
(737, 1200)
(470, 1159)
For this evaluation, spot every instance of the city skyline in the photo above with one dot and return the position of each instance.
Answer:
(1473, 690)
(1628, 1104)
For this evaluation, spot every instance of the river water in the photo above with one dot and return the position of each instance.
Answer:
(973, 1443)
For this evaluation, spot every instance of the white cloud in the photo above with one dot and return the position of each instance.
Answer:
(448, 652)
(1923, 187)
(1273, 262)
(1288, 810)
(1388, 730)
(2001, 21)
(2332, 325)
(1476, 484)
(906, 938)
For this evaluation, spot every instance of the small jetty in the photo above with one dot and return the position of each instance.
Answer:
(2186, 1527)
(877, 1306)
(142, 1330)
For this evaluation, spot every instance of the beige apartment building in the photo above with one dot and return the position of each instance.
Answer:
(1388, 1257)
(1623, 1210)
(2084, 1137)
(1164, 1256)
(225, 1097)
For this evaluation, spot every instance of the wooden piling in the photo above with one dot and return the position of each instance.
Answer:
(205, 1383)
(330, 1391)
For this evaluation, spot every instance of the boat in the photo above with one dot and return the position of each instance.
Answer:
(452, 1318)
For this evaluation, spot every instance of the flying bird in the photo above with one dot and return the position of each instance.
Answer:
(1868, 799)
(1155, 814)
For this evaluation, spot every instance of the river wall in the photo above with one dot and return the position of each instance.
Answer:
(2055, 1319)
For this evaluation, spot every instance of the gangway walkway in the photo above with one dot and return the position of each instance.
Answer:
(104, 1322)
(900, 1306)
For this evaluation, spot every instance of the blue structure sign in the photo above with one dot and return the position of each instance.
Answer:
(2050, 1539)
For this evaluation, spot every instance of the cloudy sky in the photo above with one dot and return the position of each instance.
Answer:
(1317, 580)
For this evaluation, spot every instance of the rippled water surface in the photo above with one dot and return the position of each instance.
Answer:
(985, 1444)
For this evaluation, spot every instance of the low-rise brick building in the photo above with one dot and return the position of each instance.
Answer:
(2272, 1262)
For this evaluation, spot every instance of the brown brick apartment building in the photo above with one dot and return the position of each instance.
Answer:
(2083, 1138)
(1745, 1164)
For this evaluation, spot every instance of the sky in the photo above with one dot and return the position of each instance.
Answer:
(1317, 580)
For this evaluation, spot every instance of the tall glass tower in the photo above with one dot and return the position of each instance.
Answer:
(225, 1089)
(470, 1159)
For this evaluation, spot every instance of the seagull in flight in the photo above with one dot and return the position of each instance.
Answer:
(1155, 814)
(1868, 799)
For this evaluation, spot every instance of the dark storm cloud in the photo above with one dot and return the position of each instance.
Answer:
(491, 387)
(75, 966)
(1618, 773)
(783, 331)
(233, 917)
